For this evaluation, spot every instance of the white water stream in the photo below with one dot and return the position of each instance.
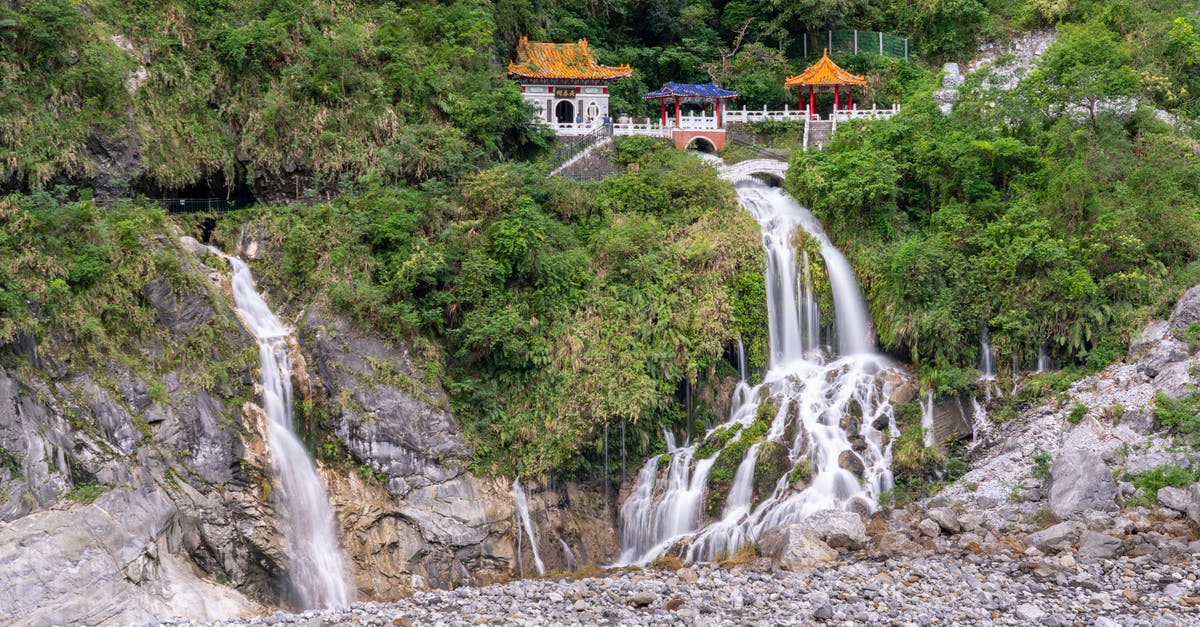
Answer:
(927, 419)
(830, 421)
(316, 570)
(527, 524)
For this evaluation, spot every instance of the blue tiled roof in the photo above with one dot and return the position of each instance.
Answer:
(681, 90)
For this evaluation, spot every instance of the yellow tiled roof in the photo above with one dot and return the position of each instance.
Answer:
(561, 61)
(824, 73)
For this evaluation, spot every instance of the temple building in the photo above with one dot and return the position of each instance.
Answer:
(825, 76)
(564, 83)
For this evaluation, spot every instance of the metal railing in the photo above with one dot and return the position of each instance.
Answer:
(855, 41)
(175, 206)
(571, 149)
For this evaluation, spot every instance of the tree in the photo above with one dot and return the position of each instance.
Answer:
(1086, 66)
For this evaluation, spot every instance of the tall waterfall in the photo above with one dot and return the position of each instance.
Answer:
(825, 423)
(527, 524)
(316, 570)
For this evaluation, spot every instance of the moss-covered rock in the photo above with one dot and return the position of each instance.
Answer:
(772, 463)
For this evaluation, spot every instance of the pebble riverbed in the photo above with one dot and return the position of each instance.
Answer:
(935, 589)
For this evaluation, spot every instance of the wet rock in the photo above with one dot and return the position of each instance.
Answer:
(849, 461)
(796, 548)
(1080, 480)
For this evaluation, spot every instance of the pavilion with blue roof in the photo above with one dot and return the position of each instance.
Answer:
(682, 93)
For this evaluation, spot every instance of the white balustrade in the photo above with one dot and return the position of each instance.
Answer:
(705, 121)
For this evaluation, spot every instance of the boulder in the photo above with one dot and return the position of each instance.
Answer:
(1146, 339)
(1100, 545)
(1080, 480)
(929, 528)
(945, 518)
(1177, 499)
(1056, 538)
(796, 548)
(1187, 311)
(837, 528)
(1193, 509)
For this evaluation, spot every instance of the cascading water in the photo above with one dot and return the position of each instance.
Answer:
(986, 367)
(316, 569)
(527, 524)
(1043, 359)
(826, 422)
(927, 419)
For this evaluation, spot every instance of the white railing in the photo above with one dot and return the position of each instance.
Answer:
(570, 129)
(755, 115)
(653, 130)
(873, 113)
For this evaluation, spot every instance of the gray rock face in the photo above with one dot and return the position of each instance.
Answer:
(1186, 312)
(1101, 545)
(1193, 509)
(114, 561)
(179, 312)
(1080, 480)
(387, 414)
(1056, 538)
(796, 548)
(837, 528)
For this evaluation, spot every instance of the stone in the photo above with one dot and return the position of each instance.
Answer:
(1193, 509)
(1130, 595)
(1029, 612)
(837, 528)
(1080, 480)
(1177, 499)
(1099, 545)
(986, 502)
(1186, 312)
(945, 518)
(929, 528)
(644, 599)
(1055, 538)
(796, 548)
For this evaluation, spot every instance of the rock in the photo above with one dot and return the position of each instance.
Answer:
(1056, 538)
(848, 460)
(1130, 595)
(796, 548)
(580, 605)
(1177, 499)
(1160, 356)
(1186, 312)
(1029, 612)
(986, 502)
(837, 528)
(1079, 481)
(179, 312)
(903, 393)
(945, 518)
(929, 528)
(1099, 545)
(643, 599)
(1193, 509)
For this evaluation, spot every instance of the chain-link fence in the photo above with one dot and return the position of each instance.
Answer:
(842, 42)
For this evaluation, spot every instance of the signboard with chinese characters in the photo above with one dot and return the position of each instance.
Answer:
(564, 92)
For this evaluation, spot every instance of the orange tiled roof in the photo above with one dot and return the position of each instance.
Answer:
(561, 61)
(824, 73)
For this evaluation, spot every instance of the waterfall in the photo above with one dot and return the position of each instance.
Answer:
(985, 356)
(527, 524)
(826, 422)
(927, 419)
(316, 570)
(741, 359)
(980, 425)
(1043, 359)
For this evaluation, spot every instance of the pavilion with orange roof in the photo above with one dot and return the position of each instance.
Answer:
(825, 76)
(564, 83)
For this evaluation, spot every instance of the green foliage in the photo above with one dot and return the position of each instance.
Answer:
(1085, 65)
(1041, 466)
(1180, 416)
(1152, 480)
(1078, 411)
(85, 493)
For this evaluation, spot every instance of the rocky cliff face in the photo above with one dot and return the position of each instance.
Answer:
(151, 486)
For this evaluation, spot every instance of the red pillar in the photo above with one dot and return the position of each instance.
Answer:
(810, 101)
(850, 99)
(718, 113)
(664, 108)
(678, 122)
(836, 103)
(800, 100)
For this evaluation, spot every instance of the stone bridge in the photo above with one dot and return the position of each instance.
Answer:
(755, 168)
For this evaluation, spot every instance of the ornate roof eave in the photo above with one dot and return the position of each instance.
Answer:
(561, 62)
(825, 73)
(702, 92)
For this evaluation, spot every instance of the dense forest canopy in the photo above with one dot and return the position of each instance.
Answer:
(1058, 208)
